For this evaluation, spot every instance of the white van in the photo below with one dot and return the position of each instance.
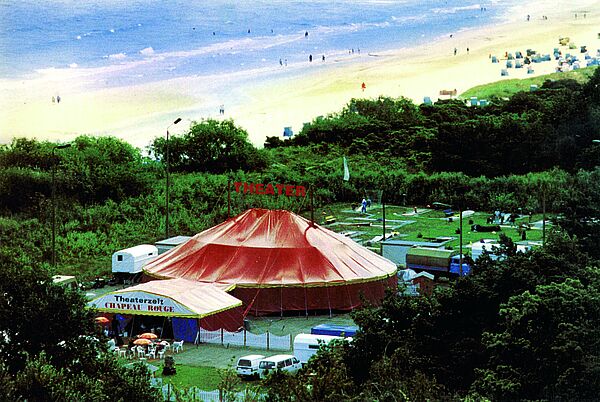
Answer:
(307, 345)
(287, 363)
(247, 366)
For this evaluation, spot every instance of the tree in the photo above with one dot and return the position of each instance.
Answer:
(211, 146)
(546, 347)
(50, 348)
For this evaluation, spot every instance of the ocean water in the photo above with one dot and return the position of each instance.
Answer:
(138, 41)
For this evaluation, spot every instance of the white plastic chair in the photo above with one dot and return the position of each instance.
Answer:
(151, 352)
(178, 346)
(123, 352)
(140, 351)
(166, 345)
(161, 353)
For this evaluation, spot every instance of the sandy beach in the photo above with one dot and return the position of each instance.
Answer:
(264, 101)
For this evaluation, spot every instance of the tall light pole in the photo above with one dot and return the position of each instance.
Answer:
(167, 168)
(54, 200)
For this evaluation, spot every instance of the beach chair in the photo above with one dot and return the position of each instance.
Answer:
(518, 64)
(494, 59)
(509, 64)
(504, 72)
(530, 70)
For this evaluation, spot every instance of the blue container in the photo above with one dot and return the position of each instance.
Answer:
(334, 330)
(483, 102)
(427, 100)
(474, 101)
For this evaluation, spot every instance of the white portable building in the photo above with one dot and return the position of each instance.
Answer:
(307, 345)
(131, 260)
(167, 244)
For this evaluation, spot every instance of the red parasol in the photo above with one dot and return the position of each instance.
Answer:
(148, 335)
(102, 320)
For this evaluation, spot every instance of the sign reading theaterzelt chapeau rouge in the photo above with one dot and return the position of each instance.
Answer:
(270, 189)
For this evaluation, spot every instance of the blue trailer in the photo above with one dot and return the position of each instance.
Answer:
(334, 330)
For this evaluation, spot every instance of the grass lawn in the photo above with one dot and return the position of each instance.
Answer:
(425, 225)
(506, 88)
(203, 377)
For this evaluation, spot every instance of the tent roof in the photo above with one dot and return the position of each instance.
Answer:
(170, 298)
(271, 248)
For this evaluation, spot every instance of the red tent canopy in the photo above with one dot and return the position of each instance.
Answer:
(262, 252)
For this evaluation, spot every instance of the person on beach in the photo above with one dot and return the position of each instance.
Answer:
(467, 50)
(455, 51)
(280, 62)
(57, 98)
(306, 34)
(323, 58)
(363, 86)
(53, 100)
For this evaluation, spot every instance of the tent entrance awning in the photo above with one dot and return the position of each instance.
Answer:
(168, 298)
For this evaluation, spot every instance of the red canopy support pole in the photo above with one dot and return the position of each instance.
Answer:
(328, 301)
(305, 303)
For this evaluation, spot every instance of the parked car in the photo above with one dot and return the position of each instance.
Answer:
(286, 363)
(247, 366)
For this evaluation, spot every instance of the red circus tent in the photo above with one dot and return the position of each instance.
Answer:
(278, 261)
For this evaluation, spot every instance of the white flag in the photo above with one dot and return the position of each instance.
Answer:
(346, 171)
